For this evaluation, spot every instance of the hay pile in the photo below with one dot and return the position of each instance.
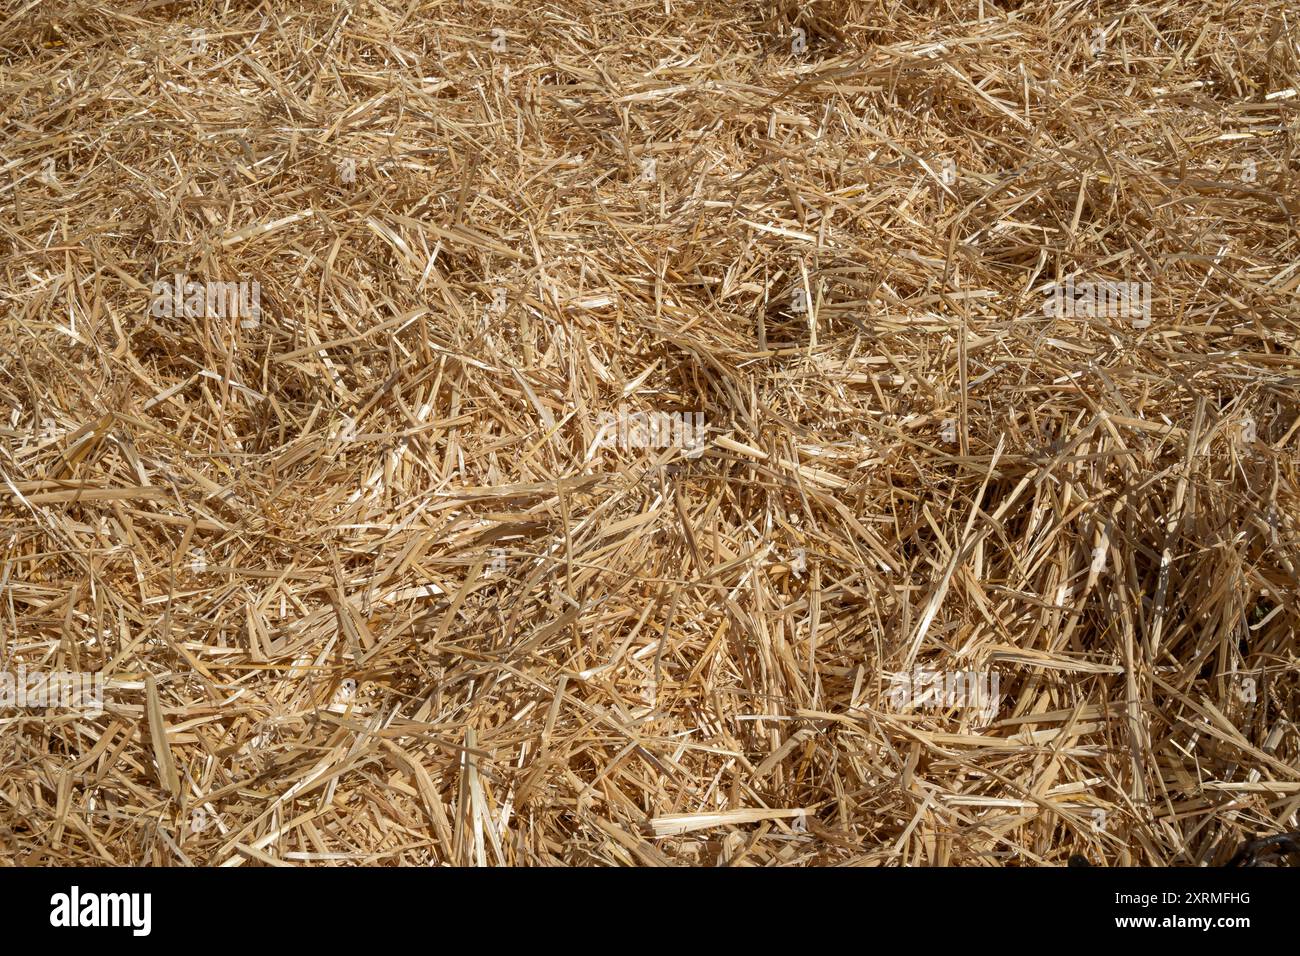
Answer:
(367, 586)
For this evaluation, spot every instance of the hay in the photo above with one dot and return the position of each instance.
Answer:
(370, 582)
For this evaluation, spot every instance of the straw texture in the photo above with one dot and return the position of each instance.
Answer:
(368, 577)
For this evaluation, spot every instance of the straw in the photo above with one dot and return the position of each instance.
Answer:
(955, 570)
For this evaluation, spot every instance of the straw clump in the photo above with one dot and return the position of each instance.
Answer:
(986, 553)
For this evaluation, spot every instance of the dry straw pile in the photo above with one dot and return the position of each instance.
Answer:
(405, 552)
